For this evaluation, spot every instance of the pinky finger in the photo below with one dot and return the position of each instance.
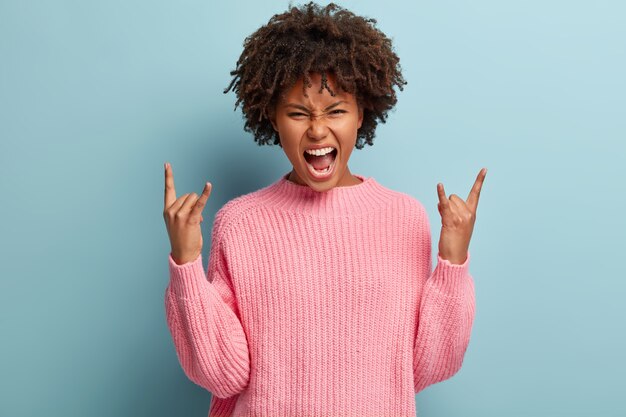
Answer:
(201, 203)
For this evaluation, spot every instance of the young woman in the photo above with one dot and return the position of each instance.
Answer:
(319, 297)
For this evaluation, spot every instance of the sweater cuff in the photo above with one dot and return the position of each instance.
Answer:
(450, 278)
(189, 279)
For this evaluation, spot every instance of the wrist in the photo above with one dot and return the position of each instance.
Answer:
(454, 259)
(183, 259)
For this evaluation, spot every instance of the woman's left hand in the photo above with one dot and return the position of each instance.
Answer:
(457, 221)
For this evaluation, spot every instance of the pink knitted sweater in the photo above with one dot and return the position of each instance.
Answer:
(319, 304)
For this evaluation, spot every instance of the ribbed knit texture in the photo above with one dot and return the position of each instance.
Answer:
(319, 304)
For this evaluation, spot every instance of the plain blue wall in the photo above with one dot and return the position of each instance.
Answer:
(95, 96)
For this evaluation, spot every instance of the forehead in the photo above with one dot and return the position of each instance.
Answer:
(296, 92)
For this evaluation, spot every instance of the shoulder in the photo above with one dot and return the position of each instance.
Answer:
(410, 209)
(237, 209)
(411, 204)
(412, 212)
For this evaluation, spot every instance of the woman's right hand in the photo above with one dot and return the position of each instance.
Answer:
(182, 219)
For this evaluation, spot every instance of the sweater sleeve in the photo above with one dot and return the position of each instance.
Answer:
(204, 322)
(446, 315)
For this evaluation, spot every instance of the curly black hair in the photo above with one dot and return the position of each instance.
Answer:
(314, 39)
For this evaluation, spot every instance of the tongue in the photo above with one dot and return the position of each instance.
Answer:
(321, 162)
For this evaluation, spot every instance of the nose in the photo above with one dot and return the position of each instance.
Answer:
(318, 129)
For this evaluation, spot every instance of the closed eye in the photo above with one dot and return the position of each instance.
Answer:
(332, 112)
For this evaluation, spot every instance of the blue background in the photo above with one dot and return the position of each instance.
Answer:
(95, 96)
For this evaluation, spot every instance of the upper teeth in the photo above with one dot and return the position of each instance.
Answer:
(319, 152)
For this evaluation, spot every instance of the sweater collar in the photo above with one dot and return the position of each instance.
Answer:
(338, 201)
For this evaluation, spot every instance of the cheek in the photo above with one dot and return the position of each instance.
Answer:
(289, 130)
(290, 141)
(346, 130)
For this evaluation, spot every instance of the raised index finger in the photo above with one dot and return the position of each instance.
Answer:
(170, 191)
(472, 198)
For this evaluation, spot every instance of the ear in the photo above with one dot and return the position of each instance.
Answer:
(272, 119)
(360, 117)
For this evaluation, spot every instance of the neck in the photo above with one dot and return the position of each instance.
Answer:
(347, 180)
(353, 200)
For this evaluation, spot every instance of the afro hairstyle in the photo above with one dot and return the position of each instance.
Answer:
(312, 39)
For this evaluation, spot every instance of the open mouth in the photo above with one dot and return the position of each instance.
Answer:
(321, 165)
(321, 162)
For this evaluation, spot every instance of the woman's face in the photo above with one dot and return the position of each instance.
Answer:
(318, 121)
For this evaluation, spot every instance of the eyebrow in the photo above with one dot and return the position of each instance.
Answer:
(298, 106)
